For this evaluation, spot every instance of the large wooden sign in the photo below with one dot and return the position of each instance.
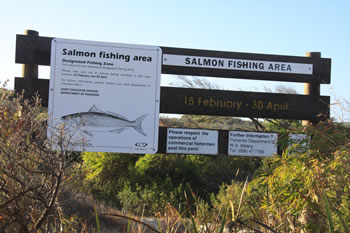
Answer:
(314, 70)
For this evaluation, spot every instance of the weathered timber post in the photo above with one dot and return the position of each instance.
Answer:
(30, 70)
(312, 88)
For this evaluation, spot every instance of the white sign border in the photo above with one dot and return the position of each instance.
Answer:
(180, 60)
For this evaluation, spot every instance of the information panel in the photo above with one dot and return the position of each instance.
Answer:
(252, 143)
(106, 95)
(192, 141)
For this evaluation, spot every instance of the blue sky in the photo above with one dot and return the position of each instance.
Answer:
(255, 26)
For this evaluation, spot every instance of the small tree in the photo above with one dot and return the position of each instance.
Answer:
(32, 171)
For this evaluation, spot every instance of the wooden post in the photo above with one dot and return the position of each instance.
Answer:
(312, 88)
(30, 70)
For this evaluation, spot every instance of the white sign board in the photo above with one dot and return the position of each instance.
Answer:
(252, 143)
(237, 64)
(192, 141)
(298, 143)
(106, 95)
(301, 139)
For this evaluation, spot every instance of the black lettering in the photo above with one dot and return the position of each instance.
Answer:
(283, 67)
(245, 65)
(207, 62)
(78, 53)
(194, 62)
(137, 58)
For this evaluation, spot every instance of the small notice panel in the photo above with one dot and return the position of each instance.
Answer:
(298, 143)
(252, 143)
(301, 139)
(192, 141)
(106, 95)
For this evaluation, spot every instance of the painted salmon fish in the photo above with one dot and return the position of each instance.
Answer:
(96, 120)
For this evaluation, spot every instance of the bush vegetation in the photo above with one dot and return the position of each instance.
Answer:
(32, 168)
(304, 189)
(146, 184)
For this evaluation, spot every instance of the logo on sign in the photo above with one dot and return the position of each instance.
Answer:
(140, 144)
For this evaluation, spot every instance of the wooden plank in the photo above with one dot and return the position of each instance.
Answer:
(243, 104)
(32, 87)
(162, 138)
(36, 50)
(217, 102)
(33, 50)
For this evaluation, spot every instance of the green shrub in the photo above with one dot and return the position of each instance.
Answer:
(106, 173)
(295, 183)
(155, 180)
(151, 198)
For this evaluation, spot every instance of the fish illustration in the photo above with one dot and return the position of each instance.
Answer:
(96, 120)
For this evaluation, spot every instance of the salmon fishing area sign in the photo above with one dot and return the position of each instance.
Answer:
(112, 92)
(106, 95)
